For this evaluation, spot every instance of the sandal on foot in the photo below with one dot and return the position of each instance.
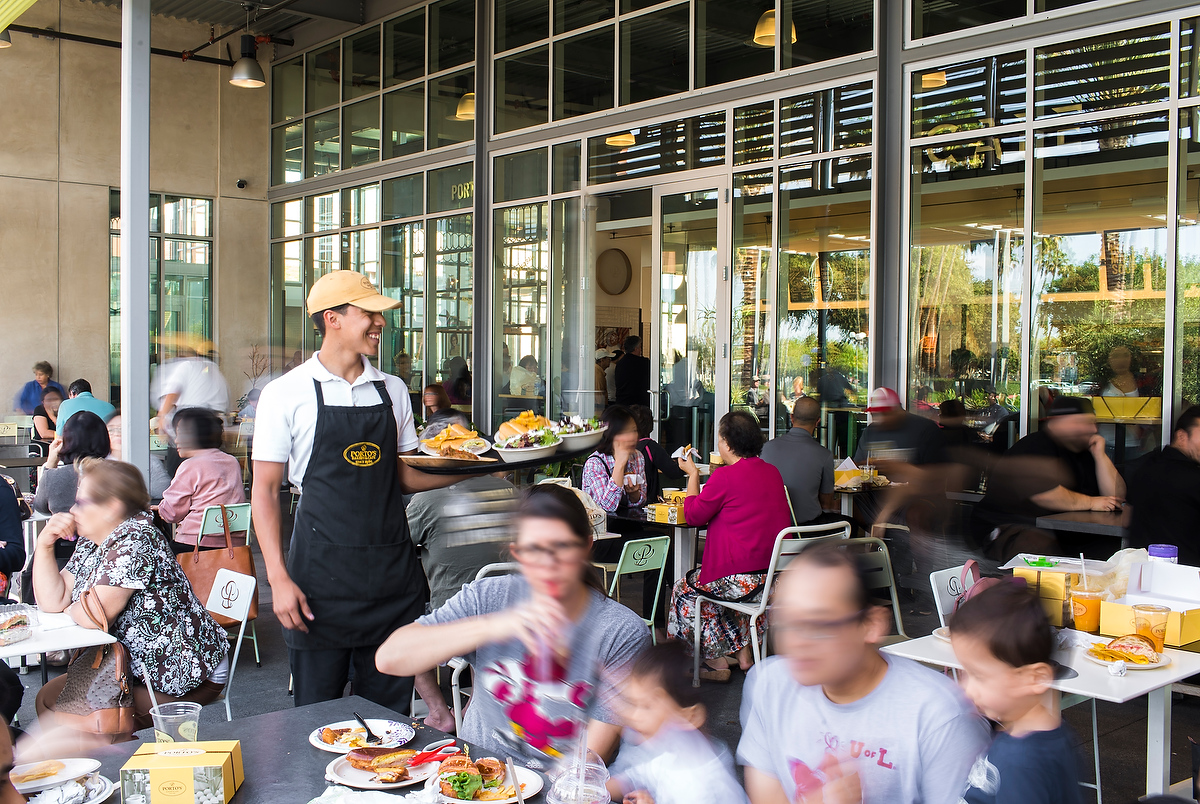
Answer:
(722, 676)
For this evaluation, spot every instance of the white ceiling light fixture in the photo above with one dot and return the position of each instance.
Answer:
(466, 107)
(5, 39)
(764, 30)
(933, 80)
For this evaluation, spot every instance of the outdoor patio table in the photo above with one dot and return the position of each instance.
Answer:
(280, 764)
(1094, 681)
(683, 537)
(55, 632)
(1099, 523)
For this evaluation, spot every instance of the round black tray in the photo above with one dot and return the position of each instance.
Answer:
(500, 465)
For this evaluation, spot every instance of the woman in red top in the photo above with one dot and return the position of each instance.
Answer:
(744, 507)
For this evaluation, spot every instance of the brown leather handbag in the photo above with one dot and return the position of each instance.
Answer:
(201, 568)
(98, 695)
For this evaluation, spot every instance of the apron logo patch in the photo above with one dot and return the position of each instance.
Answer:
(364, 453)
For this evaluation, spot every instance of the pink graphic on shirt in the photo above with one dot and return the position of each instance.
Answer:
(809, 780)
(525, 704)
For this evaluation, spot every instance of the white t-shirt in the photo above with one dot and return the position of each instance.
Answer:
(198, 382)
(913, 738)
(286, 421)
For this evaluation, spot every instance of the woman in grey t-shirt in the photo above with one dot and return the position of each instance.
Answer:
(548, 646)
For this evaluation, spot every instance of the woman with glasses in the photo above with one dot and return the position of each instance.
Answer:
(128, 569)
(548, 647)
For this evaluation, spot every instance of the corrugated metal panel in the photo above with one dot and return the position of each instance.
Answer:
(11, 9)
(221, 13)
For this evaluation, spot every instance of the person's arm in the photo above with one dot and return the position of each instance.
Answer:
(1107, 477)
(762, 788)
(413, 479)
(287, 600)
(689, 468)
(1061, 498)
(112, 599)
(52, 588)
(42, 425)
(177, 499)
(603, 738)
(164, 410)
(598, 484)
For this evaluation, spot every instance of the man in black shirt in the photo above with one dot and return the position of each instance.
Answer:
(1165, 493)
(633, 375)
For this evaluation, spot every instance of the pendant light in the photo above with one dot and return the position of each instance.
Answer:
(933, 80)
(466, 107)
(764, 31)
(623, 140)
(5, 39)
(246, 71)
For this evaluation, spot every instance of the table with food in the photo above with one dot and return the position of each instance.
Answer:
(526, 441)
(27, 631)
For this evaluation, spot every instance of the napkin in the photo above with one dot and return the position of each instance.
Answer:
(1068, 638)
(679, 454)
(336, 794)
(844, 472)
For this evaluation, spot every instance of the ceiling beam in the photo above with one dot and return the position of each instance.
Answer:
(338, 10)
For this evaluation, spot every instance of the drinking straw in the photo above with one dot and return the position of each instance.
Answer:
(1083, 566)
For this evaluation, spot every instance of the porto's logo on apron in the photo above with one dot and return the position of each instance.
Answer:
(363, 453)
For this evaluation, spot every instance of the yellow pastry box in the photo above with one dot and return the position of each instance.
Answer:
(183, 773)
(665, 513)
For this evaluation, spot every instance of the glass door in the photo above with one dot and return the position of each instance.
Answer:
(688, 338)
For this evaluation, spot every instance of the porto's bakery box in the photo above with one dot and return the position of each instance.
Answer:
(183, 773)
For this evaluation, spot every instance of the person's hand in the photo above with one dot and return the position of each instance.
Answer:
(638, 797)
(1105, 503)
(1096, 445)
(688, 465)
(290, 605)
(842, 784)
(59, 526)
(621, 453)
(631, 487)
(536, 622)
(52, 455)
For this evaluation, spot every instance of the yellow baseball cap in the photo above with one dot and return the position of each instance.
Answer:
(347, 287)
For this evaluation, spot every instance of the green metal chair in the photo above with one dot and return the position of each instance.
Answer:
(791, 510)
(638, 556)
(239, 522)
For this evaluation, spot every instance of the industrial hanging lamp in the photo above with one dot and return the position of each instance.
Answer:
(623, 140)
(764, 31)
(466, 107)
(5, 39)
(933, 80)
(246, 71)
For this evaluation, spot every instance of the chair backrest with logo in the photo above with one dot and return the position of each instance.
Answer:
(231, 595)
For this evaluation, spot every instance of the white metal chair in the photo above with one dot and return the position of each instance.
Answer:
(239, 522)
(459, 664)
(784, 551)
(231, 595)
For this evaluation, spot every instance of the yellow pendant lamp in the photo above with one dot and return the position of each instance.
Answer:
(466, 107)
(623, 140)
(764, 31)
(933, 80)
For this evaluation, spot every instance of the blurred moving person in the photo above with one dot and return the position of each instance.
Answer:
(805, 465)
(655, 455)
(1165, 493)
(833, 719)
(30, 395)
(189, 381)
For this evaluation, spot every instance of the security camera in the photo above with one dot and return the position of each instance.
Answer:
(241, 184)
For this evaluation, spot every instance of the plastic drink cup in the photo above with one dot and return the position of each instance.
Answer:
(1150, 621)
(176, 722)
(1085, 606)
(567, 787)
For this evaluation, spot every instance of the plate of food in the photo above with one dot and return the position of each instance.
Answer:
(524, 422)
(579, 433)
(1135, 650)
(90, 789)
(346, 735)
(942, 633)
(532, 445)
(375, 768)
(455, 437)
(33, 777)
(485, 779)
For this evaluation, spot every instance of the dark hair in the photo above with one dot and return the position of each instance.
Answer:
(806, 410)
(51, 389)
(199, 428)
(667, 665)
(552, 501)
(1010, 620)
(80, 386)
(617, 418)
(631, 343)
(827, 554)
(644, 419)
(443, 401)
(84, 435)
(1070, 405)
(953, 408)
(318, 318)
(44, 367)
(741, 433)
(1186, 421)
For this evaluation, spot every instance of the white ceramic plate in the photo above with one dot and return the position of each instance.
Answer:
(942, 633)
(527, 453)
(531, 779)
(1163, 661)
(476, 449)
(394, 733)
(101, 795)
(574, 441)
(72, 769)
(342, 772)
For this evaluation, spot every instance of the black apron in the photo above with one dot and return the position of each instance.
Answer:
(350, 553)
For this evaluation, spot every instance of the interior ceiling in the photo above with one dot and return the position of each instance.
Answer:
(225, 14)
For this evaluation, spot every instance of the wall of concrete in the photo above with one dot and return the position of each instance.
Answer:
(59, 156)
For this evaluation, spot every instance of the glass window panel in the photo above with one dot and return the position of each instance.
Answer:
(1189, 59)
(360, 205)
(287, 218)
(750, 322)
(572, 14)
(114, 210)
(404, 48)
(519, 22)
(636, 5)
(186, 276)
(1099, 275)
(449, 359)
(572, 315)
(753, 133)
(824, 291)
(404, 121)
(452, 109)
(522, 90)
(658, 149)
(287, 153)
(360, 142)
(826, 120)
(826, 31)
(360, 252)
(1187, 267)
(451, 34)
(969, 95)
(522, 264)
(451, 188)
(360, 67)
(726, 48)
(287, 90)
(288, 313)
(654, 55)
(402, 197)
(323, 213)
(322, 77)
(1103, 72)
(965, 268)
(403, 278)
(933, 17)
(187, 216)
(321, 148)
(565, 167)
(324, 255)
(521, 175)
(583, 74)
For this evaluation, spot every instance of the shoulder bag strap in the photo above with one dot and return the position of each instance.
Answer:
(89, 607)
(225, 525)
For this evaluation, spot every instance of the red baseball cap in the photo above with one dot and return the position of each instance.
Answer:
(883, 399)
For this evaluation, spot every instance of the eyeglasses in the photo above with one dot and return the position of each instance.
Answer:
(815, 629)
(83, 502)
(551, 554)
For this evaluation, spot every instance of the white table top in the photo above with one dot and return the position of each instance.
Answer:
(1093, 680)
(56, 632)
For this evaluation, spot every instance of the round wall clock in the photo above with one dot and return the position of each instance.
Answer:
(613, 273)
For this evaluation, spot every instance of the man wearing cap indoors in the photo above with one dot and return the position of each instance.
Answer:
(894, 434)
(603, 361)
(352, 575)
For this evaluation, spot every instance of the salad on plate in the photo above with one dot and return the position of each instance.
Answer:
(531, 439)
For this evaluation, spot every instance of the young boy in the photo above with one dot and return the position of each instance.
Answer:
(1003, 640)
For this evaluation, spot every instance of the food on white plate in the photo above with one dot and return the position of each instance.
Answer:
(1132, 648)
(392, 775)
(376, 758)
(454, 435)
(476, 445)
(529, 440)
(492, 771)
(459, 778)
(457, 453)
(575, 424)
(42, 770)
(331, 736)
(523, 423)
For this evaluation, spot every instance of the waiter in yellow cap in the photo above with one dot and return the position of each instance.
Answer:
(352, 574)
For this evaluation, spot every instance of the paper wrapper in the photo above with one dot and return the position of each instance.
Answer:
(679, 454)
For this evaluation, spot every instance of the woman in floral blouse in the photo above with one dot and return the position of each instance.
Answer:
(173, 642)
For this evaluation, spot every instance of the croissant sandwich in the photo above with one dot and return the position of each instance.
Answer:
(376, 758)
(459, 778)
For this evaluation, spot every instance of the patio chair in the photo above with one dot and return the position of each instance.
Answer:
(877, 566)
(239, 522)
(459, 664)
(230, 596)
(638, 556)
(791, 510)
(788, 543)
